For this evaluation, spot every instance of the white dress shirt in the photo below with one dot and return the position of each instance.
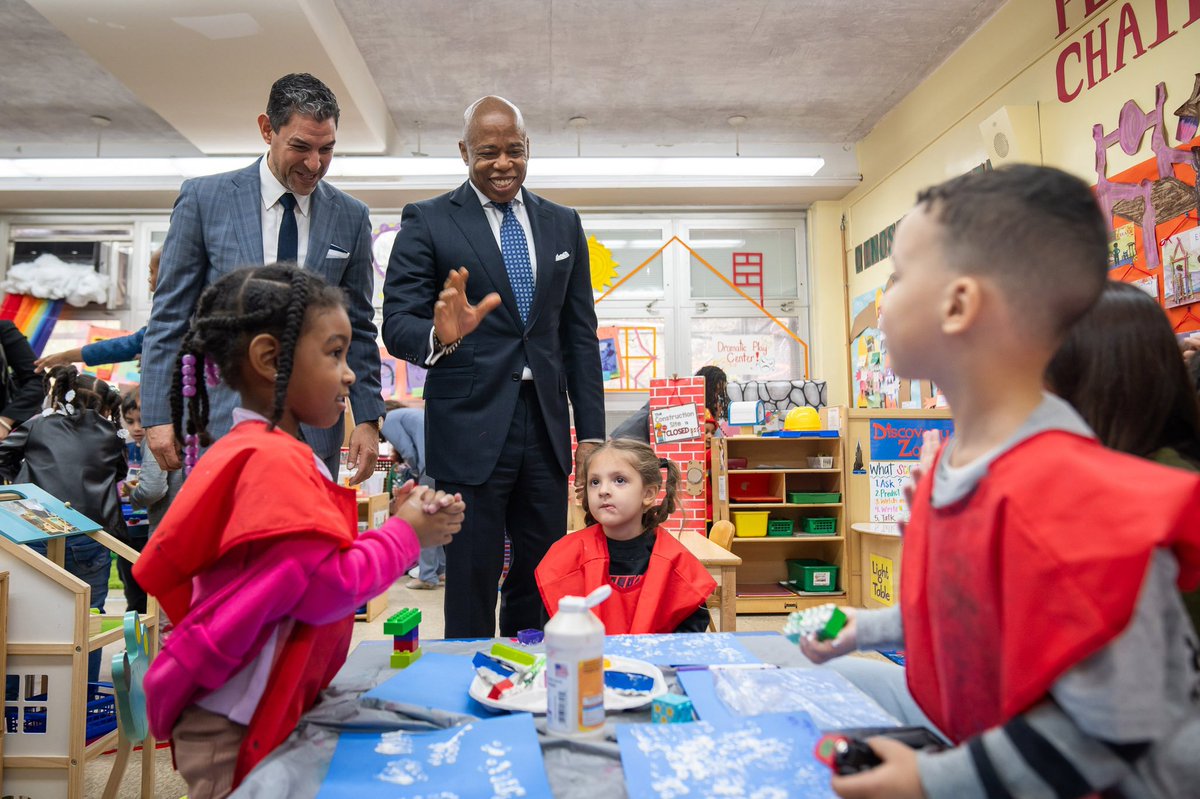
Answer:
(272, 215)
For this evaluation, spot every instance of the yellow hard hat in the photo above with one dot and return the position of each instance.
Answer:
(802, 419)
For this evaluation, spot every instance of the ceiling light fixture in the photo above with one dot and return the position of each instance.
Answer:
(101, 122)
(736, 121)
(579, 123)
(426, 172)
(418, 153)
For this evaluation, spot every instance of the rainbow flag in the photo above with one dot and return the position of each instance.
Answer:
(33, 316)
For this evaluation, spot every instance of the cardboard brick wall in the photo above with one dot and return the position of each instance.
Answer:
(669, 392)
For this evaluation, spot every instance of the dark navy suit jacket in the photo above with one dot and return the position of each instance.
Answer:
(471, 394)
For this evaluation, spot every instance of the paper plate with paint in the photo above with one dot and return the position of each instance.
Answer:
(643, 683)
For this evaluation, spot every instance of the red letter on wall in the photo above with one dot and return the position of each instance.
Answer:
(1095, 54)
(1128, 27)
(1063, 95)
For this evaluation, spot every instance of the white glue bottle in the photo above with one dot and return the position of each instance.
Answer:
(575, 666)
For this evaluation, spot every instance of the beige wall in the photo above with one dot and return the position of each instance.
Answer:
(933, 134)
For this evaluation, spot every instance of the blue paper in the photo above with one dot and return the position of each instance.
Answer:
(680, 649)
(832, 700)
(699, 686)
(435, 682)
(768, 756)
(479, 760)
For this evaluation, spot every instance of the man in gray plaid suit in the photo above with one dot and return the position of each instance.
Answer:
(276, 209)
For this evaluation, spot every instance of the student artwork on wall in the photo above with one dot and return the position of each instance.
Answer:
(398, 379)
(1156, 202)
(1123, 247)
(610, 353)
(602, 264)
(383, 235)
(629, 355)
(1181, 268)
(113, 373)
(874, 383)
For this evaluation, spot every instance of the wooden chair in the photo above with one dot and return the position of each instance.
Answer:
(721, 534)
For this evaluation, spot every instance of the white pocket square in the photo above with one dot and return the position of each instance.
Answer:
(336, 252)
(562, 256)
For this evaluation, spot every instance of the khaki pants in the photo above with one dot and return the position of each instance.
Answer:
(206, 752)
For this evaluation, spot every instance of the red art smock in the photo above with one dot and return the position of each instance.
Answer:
(256, 490)
(1037, 569)
(675, 584)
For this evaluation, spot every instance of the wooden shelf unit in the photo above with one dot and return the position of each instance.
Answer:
(764, 559)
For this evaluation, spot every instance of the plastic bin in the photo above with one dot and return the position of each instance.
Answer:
(101, 713)
(813, 498)
(820, 461)
(819, 525)
(810, 574)
(750, 523)
(780, 527)
(751, 488)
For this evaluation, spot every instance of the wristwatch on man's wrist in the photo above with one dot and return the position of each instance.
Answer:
(439, 345)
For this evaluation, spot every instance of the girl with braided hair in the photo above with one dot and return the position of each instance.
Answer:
(658, 586)
(72, 451)
(258, 561)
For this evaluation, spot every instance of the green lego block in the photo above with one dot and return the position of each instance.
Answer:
(402, 660)
(402, 621)
(520, 657)
(826, 621)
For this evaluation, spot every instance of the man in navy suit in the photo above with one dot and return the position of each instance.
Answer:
(276, 209)
(489, 287)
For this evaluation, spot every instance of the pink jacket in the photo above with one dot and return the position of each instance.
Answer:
(243, 598)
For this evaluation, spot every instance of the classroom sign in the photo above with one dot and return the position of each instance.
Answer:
(883, 583)
(745, 354)
(676, 423)
(887, 490)
(900, 439)
(895, 449)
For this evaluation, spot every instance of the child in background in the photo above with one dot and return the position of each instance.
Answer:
(1043, 630)
(154, 489)
(404, 429)
(1119, 366)
(658, 586)
(73, 452)
(258, 561)
(131, 420)
(137, 529)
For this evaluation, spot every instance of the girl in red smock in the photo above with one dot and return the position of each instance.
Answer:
(658, 586)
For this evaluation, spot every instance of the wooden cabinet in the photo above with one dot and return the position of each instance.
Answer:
(755, 475)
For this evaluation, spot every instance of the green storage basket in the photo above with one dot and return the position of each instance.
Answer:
(813, 498)
(779, 527)
(810, 574)
(819, 525)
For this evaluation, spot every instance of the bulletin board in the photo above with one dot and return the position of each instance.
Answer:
(873, 383)
(1153, 207)
(881, 447)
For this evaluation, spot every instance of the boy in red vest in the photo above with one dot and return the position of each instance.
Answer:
(1039, 601)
